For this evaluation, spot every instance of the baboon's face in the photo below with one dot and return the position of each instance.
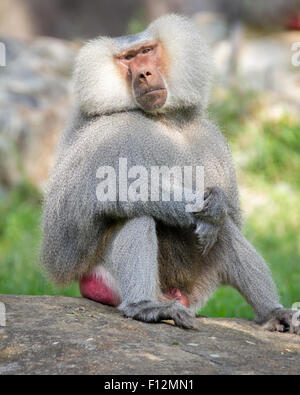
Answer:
(143, 67)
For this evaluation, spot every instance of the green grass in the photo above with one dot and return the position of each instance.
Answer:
(20, 273)
(267, 155)
(274, 231)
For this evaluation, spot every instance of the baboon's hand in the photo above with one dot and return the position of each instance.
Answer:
(207, 236)
(210, 218)
(150, 311)
(215, 206)
(284, 321)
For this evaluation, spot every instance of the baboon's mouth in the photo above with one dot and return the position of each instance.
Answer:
(153, 91)
(152, 99)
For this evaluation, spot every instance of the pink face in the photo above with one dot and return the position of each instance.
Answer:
(143, 67)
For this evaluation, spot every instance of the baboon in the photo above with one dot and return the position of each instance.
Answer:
(144, 98)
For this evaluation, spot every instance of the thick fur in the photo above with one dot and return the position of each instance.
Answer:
(74, 219)
(151, 245)
(101, 89)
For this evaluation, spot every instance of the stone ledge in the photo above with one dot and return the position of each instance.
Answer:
(62, 335)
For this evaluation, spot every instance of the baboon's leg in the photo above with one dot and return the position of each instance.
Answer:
(131, 259)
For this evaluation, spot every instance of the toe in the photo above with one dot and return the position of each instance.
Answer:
(280, 328)
(183, 320)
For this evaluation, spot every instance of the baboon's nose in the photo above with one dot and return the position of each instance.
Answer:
(145, 76)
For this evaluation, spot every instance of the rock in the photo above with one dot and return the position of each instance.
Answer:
(62, 335)
(260, 58)
(261, 65)
(213, 26)
(222, 53)
(35, 99)
(265, 65)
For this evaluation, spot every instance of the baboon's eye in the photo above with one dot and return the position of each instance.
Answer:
(129, 57)
(146, 50)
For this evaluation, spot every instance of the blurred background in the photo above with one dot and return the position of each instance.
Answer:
(256, 101)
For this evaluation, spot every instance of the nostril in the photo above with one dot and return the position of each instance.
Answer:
(143, 76)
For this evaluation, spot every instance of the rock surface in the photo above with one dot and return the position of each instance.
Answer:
(61, 335)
